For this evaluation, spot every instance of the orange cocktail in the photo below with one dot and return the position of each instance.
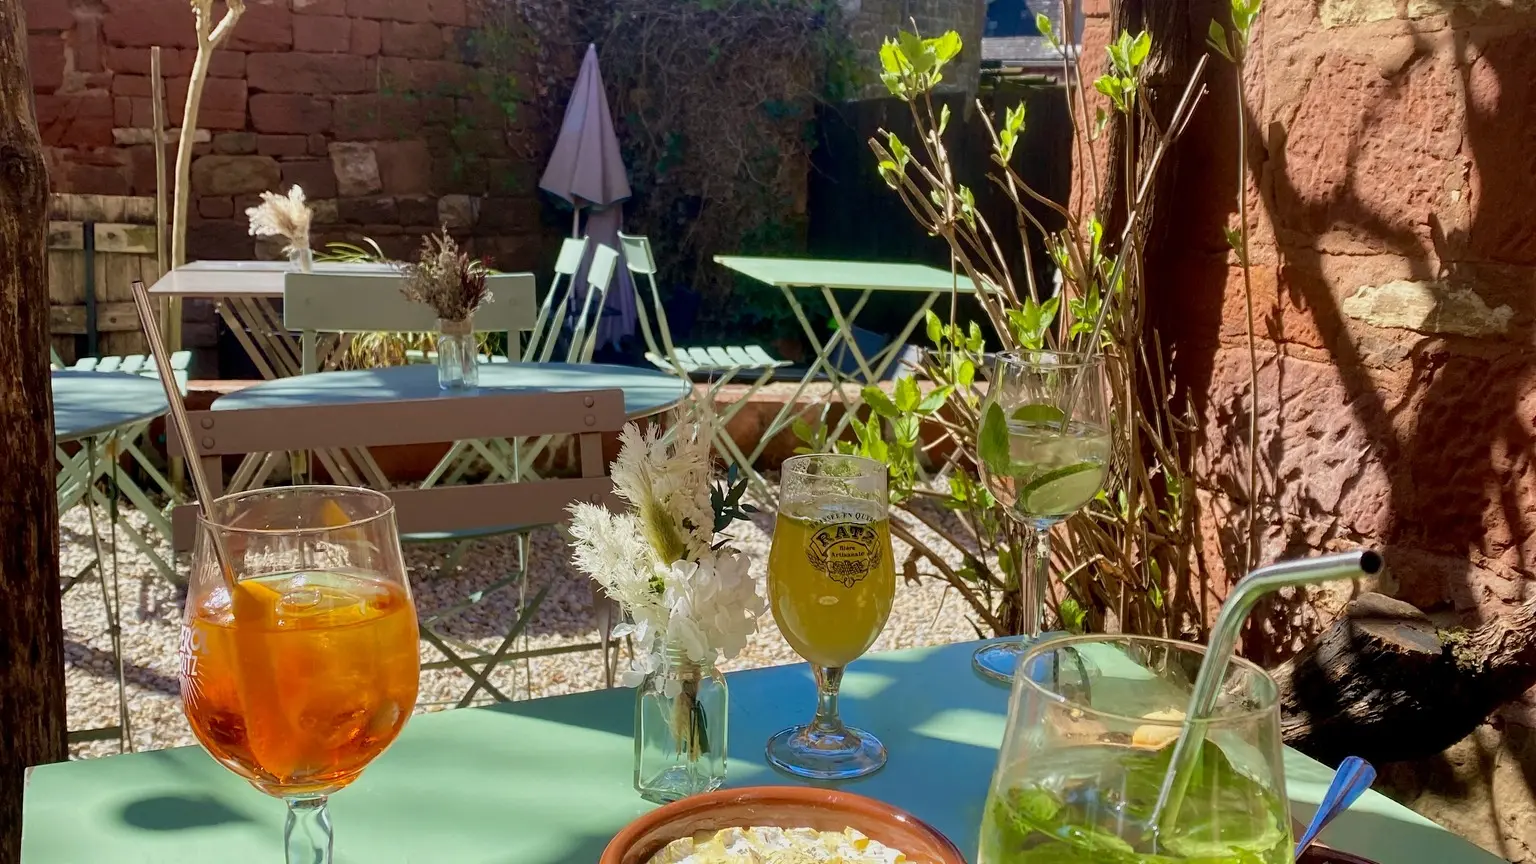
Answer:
(303, 679)
(299, 662)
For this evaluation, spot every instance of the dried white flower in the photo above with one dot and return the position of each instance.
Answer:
(658, 561)
(285, 216)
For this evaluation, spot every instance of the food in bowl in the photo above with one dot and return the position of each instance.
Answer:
(771, 844)
(788, 808)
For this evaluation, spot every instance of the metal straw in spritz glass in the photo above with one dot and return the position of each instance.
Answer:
(1185, 760)
(1045, 452)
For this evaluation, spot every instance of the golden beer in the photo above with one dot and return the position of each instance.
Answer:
(831, 579)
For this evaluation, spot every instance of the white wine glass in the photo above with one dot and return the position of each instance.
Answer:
(1045, 452)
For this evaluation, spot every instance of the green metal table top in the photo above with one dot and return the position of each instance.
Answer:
(849, 275)
(646, 391)
(549, 781)
(86, 404)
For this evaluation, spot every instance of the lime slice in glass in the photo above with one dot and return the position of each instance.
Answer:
(1039, 412)
(1059, 492)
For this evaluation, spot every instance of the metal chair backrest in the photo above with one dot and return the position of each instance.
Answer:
(599, 277)
(546, 330)
(638, 257)
(585, 415)
(315, 303)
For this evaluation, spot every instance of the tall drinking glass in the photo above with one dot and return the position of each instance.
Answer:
(299, 663)
(1091, 730)
(1056, 416)
(831, 582)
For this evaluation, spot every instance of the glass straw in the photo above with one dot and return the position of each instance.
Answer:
(182, 429)
(1218, 655)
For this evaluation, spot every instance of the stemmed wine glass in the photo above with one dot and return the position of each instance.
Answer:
(1045, 451)
(831, 582)
(299, 659)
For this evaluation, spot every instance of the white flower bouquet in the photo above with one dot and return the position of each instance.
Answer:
(684, 590)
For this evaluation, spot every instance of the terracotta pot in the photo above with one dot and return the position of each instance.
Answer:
(783, 807)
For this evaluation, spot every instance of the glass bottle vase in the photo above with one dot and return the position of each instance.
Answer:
(458, 366)
(680, 729)
(300, 258)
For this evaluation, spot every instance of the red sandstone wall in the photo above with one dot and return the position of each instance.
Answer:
(1392, 196)
(1392, 190)
(370, 105)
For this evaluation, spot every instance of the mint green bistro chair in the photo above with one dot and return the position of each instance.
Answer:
(719, 365)
(315, 303)
(557, 303)
(583, 342)
(78, 473)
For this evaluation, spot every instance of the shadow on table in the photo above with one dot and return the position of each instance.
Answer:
(610, 711)
(1395, 841)
(178, 812)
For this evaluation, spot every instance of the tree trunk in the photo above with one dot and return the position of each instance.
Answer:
(31, 630)
(1384, 684)
(1168, 67)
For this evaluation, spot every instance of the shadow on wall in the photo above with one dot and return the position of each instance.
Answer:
(1425, 188)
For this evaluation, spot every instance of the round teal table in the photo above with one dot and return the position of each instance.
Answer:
(549, 781)
(88, 404)
(646, 391)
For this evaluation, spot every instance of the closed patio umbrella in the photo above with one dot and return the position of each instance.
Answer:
(587, 170)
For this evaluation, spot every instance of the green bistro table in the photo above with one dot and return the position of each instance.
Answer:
(107, 414)
(830, 278)
(549, 781)
(646, 392)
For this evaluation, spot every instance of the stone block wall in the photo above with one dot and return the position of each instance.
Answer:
(1392, 198)
(376, 107)
(871, 22)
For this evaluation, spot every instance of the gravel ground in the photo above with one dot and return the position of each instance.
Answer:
(924, 614)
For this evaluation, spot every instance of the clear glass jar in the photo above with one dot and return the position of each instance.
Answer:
(1083, 772)
(300, 258)
(680, 729)
(458, 361)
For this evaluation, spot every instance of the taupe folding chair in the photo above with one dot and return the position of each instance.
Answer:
(371, 302)
(515, 507)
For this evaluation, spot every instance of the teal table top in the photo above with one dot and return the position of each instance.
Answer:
(849, 275)
(86, 404)
(646, 391)
(549, 781)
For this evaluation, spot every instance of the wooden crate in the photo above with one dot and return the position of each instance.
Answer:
(123, 230)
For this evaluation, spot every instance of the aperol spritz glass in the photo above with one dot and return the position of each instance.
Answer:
(299, 659)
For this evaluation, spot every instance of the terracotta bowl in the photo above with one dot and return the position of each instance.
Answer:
(783, 807)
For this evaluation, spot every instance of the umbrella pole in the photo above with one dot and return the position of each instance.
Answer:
(576, 222)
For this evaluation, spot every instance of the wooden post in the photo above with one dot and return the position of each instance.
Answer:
(31, 628)
(170, 308)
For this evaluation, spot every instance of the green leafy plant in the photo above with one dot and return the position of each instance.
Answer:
(1233, 45)
(717, 120)
(1128, 545)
